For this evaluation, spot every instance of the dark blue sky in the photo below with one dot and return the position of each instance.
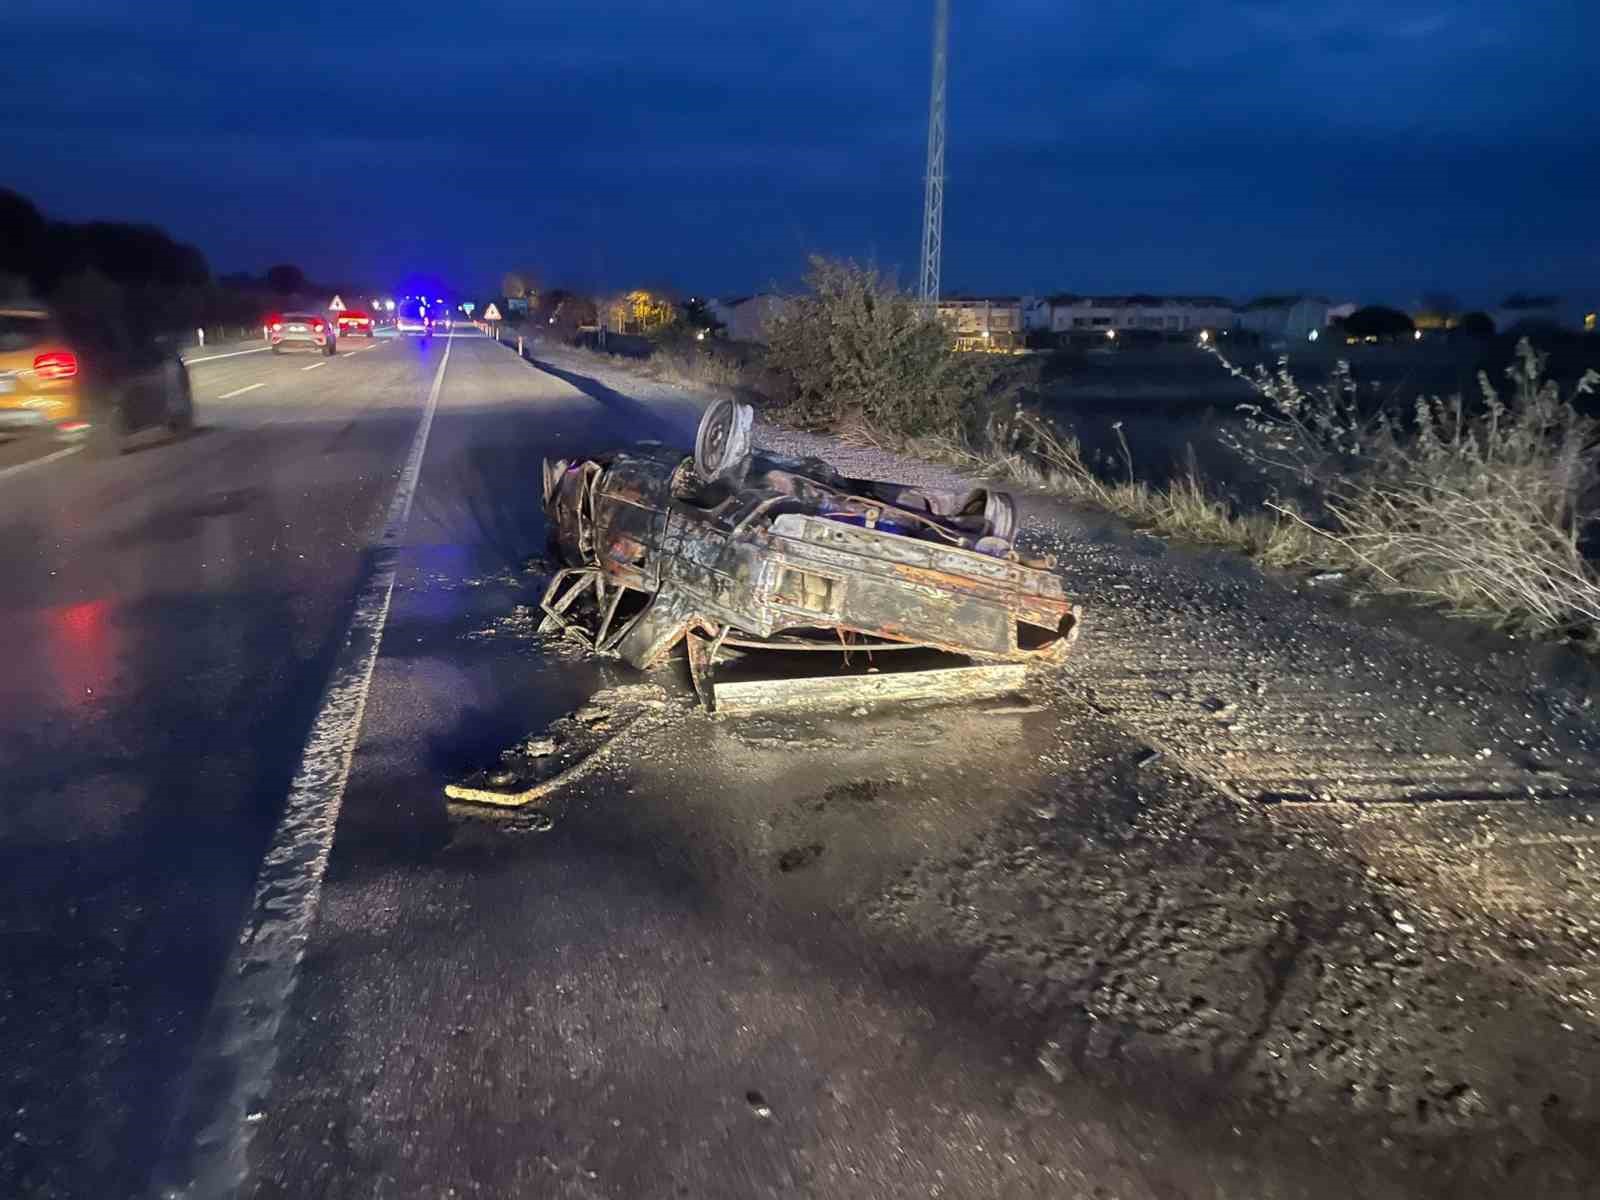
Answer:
(1364, 148)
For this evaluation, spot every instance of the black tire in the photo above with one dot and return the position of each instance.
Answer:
(328, 349)
(106, 433)
(180, 405)
(722, 442)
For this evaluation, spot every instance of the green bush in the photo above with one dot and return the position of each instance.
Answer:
(862, 354)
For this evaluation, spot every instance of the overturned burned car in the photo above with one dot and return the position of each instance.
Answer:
(737, 550)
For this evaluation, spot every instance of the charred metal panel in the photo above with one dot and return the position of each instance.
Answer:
(791, 545)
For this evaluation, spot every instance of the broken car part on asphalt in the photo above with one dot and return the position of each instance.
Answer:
(573, 746)
(748, 551)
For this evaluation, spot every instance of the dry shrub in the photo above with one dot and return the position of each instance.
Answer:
(1021, 445)
(1482, 508)
(860, 351)
(695, 366)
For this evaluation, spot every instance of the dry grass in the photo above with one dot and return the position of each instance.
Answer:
(697, 368)
(1025, 448)
(1480, 509)
(689, 364)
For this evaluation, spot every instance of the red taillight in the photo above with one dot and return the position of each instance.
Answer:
(56, 364)
(277, 327)
(317, 325)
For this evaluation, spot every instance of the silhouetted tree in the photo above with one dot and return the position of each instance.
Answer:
(130, 254)
(517, 283)
(23, 231)
(697, 314)
(1521, 301)
(94, 310)
(286, 279)
(561, 311)
(1378, 321)
(1476, 325)
(1442, 303)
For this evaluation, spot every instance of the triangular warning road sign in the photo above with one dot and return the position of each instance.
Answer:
(336, 304)
(491, 313)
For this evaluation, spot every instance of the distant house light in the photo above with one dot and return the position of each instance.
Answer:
(1111, 335)
(1312, 336)
(1416, 335)
(1589, 322)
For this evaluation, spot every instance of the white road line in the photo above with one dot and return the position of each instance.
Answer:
(314, 366)
(231, 354)
(232, 1073)
(38, 462)
(249, 387)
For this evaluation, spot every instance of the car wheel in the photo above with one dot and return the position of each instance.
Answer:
(722, 443)
(328, 349)
(180, 402)
(106, 432)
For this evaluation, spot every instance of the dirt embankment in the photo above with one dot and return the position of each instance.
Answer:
(1348, 880)
(1329, 873)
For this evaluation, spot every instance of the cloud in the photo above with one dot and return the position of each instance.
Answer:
(723, 140)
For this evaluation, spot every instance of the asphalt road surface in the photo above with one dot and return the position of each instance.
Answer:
(1049, 947)
(172, 618)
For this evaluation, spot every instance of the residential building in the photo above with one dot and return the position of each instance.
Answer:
(1284, 318)
(1175, 317)
(992, 323)
(746, 317)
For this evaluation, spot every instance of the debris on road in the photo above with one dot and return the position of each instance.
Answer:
(577, 743)
(740, 552)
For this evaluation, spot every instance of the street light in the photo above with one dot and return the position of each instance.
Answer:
(1111, 335)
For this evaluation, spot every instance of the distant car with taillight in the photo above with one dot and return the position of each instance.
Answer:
(303, 331)
(99, 389)
(411, 318)
(355, 323)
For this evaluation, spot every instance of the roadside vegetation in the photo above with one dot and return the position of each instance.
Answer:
(1480, 505)
(117, 283)
(1483, 505)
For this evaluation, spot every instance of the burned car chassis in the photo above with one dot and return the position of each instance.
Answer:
(751, 551)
